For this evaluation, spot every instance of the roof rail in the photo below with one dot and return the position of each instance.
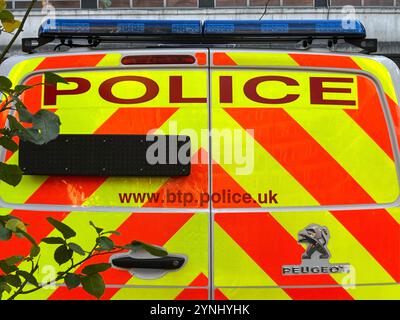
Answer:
(209, 32)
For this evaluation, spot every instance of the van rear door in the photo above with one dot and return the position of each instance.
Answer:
(308, 192)
(158, 92)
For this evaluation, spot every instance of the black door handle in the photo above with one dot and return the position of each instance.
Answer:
(164, 263)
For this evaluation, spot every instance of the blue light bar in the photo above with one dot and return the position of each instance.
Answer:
(102, 27)
(312, 28)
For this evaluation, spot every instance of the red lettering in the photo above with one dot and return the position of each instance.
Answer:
(105, 90)
(225, 89)
(175, 92)
(51, 92)
(250, 89)
(318, 90)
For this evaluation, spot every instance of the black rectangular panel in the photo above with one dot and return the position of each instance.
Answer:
(107, 155)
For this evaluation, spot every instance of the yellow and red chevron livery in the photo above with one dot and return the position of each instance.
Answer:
(321, 131)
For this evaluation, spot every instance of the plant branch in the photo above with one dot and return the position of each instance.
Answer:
(61, 276)
(20, 28)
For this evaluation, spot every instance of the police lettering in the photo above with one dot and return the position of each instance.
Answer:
(317, 87)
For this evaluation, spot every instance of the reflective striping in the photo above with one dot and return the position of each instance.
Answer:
(148, 294)
(255, 231)
(190, 294)
(371, 109)
(253, 294)
(371, 168)
(53, 190)
(344, 246)
(380, 72)
(231, 260)
(261, 59)
(371, 292)
(222, 59)
(70, 61)
(135, 120)
(321, 184)
(266, 242)
(290, 190)
(324, 61)
(110, 60)
(297, 151)
(395, 115)
(373, 261)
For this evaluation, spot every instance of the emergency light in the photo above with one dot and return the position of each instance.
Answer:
(102, 27)
(196, 32)
(311, 28)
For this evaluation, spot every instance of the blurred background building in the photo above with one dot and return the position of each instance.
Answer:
(381, 17)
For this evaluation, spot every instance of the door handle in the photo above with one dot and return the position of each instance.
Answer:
(162, 263)
(144, 265)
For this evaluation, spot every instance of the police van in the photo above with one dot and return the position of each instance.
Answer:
(263, 158)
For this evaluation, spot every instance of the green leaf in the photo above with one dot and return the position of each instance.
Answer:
(72, 280)
(62, 254)
(45, 127)
(5, 234)
(10, 25)
(5, 287)
(53, 240)
(8, 144)
(19, 88)
(104, 243)
(65, 230)
(15, 125)
(27, 236)
(94, 285)
(112, 232)
(76, 248)
(15, 225)
(3, 4)
(10, 173)
(6, 15)
(6, 268)
(24, 114)
(98, 230)
(35, 250)
(13, 280)
(154, 250)
(5, 83)
(53, 78)
(28, 277)
(14, 260)
(96, 268)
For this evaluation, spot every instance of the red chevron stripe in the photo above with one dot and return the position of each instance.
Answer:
(197, 294)
(270, 250)
(55, 190)
(70, 61)
(370, 117)
(369, 101)
(324, 181)
(324, 61)
(135, 120)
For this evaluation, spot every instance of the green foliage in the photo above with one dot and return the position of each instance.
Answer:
(44, 125)
(93, 284)
(17, 271)
(14, 278)
(66, 231)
